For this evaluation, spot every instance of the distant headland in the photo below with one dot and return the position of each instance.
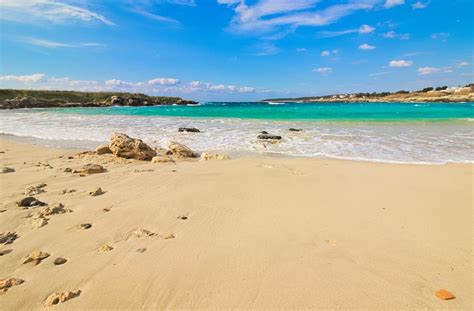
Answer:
(429, 94)
(14, 99)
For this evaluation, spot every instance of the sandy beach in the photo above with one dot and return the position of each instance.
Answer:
(249, 233)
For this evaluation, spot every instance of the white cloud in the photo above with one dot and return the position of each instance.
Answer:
(48, 10)
(164, 81)
(55, 44)
(33, 78)
(301, 50)
(428, 70)
(323, 70)
(392, 35)
(363, 29)
(400, 63)
(391, 3)
(285, 16)
(367, 47)
(443, 36)
(156, 17)
(378, 74)
(463, 64)
(329, 52)
(419, 5)
(267, 48)
(325, 53)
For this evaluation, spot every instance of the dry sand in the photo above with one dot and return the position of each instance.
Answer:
(260, 233)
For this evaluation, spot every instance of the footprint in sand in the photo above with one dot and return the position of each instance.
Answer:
(5, 252)
(141, 250)
(140, 233)
(35, 189)
(57, 298)
(98, 191)
(168, 236)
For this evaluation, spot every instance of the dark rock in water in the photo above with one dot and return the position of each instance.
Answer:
(295, 130)
(263, 132)
(59, 261)
(189, 129)
(30, 201)
(268, 136)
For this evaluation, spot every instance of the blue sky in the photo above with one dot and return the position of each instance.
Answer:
(235, 49)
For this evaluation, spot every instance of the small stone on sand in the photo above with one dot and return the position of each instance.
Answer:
(444, 294)
(57, 298)
(96, 192)
(8, 238)
(105, 248)
(183, 217)
(68, 170)
(6, 170)
(36, 257)
(30, 201)
(85, 226)
(59, 261)
(141, 250)
(106, 209)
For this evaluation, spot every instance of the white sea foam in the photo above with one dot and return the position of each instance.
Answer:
(412, 142)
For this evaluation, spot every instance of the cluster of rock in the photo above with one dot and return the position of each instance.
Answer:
(124, 146)
(115, 100)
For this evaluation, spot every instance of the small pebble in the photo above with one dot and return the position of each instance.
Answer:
(106, 209)
(141, 250)
(85, 226)
(183, 217)
(59, 261)
(444, 294)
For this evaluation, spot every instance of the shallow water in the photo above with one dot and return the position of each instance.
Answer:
(400, 132)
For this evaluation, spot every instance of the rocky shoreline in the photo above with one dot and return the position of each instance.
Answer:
(16, 99)
(427, 95)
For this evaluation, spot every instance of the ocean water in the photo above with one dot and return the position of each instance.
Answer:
(394, 132)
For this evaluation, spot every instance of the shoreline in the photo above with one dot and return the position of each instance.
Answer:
(52, 144)
(258, 232)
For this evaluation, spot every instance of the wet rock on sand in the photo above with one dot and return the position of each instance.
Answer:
(162, 159)
(96, 192)
(35, 189)
(189, 129)
(180, 150)
(8, 283)
(103, 149)
(206, 156)
(6, 170)
(8, 238)
(124, 146)
(36, 257)
(57, 298)
(269, 137)
(295, 130)
(30, 201)
(90, 169)
(60, 261)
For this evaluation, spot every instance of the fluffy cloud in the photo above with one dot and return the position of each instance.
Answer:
(367, 47)
(265, 16)
(391, 3)
(428, 70)
(393, 35)
(169, 86)
(24, 79)
(419, 5)
(329, 52)
(46, 10)
(323, 70)
(400, 63)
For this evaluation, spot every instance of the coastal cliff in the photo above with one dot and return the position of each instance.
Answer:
(14, 99)
(429, 94)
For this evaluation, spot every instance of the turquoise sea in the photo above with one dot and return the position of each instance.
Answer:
(299, 111)
(388, 132)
